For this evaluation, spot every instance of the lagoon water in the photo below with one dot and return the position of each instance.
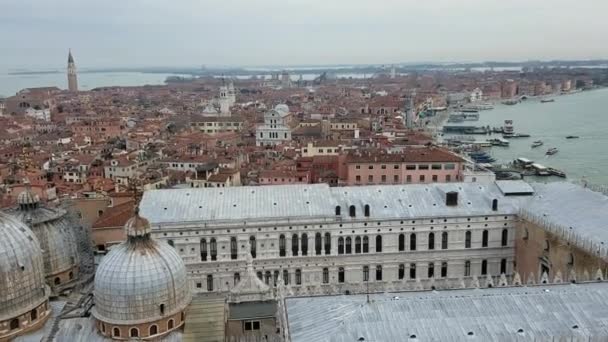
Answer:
(11, 84)
(582, 114)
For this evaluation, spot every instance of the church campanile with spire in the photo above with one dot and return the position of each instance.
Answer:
(72, 79)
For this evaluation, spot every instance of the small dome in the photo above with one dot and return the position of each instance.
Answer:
(22, 285)
(137, 226)
(282, 109)
(28, 198)
(141, 280)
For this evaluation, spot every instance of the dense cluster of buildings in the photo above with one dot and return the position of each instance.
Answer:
(280, 210)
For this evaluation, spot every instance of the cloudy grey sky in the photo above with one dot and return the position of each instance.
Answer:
(37, 33)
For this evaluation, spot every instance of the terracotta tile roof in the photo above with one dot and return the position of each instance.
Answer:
(115, 216)
(424, 155)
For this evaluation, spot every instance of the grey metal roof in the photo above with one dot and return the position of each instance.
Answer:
(510, 187)
(577, 214)
(252, 310)
(281, 202)
(537, 313)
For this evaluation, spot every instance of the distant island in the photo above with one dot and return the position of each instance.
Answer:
(370, 68)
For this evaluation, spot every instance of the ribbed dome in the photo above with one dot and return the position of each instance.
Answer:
(22, 285)
(28, 197)
(54, 230)
(136, 277)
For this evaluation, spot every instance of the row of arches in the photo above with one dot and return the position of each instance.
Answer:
(322, 244)
(153, 329)
(361, 244)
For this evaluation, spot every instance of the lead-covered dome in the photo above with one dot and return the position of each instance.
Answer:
(22, 284)
(55, 232)
(141, 281)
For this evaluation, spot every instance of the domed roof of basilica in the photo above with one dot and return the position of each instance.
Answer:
(22, 283)
(141, 280)
(53, 228)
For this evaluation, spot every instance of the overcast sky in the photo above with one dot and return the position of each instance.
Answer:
(112, 33)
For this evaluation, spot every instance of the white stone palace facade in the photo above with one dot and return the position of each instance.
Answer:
(342, 240)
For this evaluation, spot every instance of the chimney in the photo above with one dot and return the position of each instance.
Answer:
(451, 199)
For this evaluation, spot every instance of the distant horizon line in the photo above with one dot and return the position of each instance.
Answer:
(275, 67)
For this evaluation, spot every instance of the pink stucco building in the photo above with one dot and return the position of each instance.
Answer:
(416, 165)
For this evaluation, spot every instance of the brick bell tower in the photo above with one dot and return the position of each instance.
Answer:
(72, 77)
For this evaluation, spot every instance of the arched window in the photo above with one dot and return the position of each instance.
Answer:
(298, 277)
(413, 242)
(327, 244)
(14, 324)
(170, 324)
(504, 238)
(162, 309)
(282, 245)
(203, 250)
(525, 237)
(260, 275)
(494, 204)
(341, 275)
(340, 245)
(134, 332)
(267, 277)
(484, 238)
(233, 248)
(467, 239)
(318, 244)
(503, 266)
(326, 275)
(352, 212)
(116, 332)
(338, 210)
(401, 242)
(444, 240)
(547, 246)
(378, 243)
(401, 271)
(412, 271)
(365, 244)
(571, 259)
(444, 269)
(366, 210)
(294, 244)
(349, 245)
(253, 246)
(33, 315)
(209, 282)
(484, 267)
(431, 270)
(467, 268)
(153, 330)
(431, 240)
(236, 278)
(379, 272)
(71, 275)
(170, 242)
(103, 328)
(57, 281)
(286, 277)
(213, 249)
(365, 273)
(304, 244)
(357, 244)
(275, 278)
